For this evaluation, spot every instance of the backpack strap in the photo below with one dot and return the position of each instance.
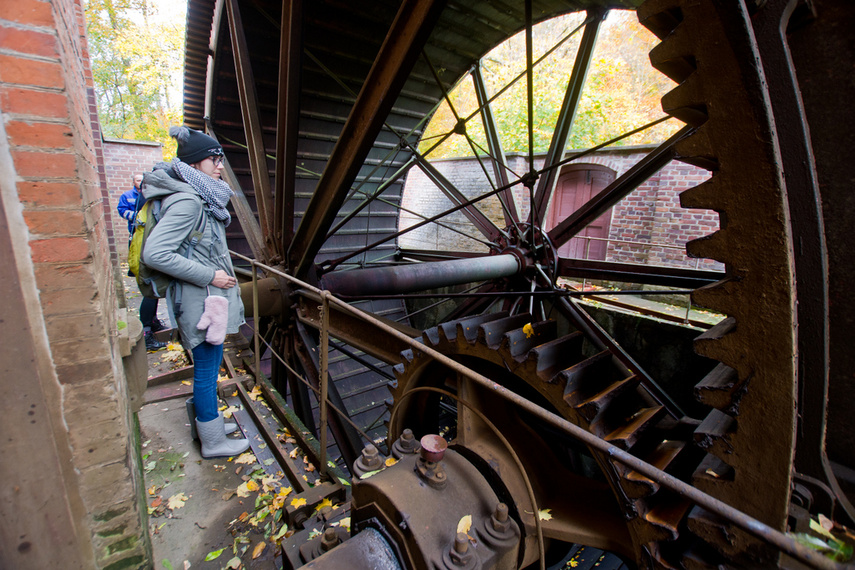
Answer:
(192, 241)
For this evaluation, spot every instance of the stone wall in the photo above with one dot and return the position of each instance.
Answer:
(72, 493)
(122, 160)
(650, 217)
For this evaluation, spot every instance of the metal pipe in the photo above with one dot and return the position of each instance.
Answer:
(696, 496)
(325, 350)
(421, 276)
(256, 344)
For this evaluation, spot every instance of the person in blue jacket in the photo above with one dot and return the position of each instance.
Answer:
(129, 204)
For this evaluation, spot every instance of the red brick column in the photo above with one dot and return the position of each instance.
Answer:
(69, 448)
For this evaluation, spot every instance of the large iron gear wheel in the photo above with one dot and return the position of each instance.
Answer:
(742, 452)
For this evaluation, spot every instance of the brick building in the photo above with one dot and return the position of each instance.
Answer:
(122, 160)
(647, 227)
(70, 467)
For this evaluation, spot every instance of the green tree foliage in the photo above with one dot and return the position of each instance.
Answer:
(136, 66)
(622, 91)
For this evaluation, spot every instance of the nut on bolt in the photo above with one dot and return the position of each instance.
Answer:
(500, 520)
(460, 554)
(407, 444)
(370, 460)
(329, 539)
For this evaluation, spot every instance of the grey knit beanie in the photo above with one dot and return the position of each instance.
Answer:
(194, 146)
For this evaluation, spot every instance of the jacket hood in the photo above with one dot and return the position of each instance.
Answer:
(161, 182)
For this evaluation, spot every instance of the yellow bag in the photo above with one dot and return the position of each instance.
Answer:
(135, 248)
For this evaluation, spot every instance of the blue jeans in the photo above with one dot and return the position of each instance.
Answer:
(206, 369)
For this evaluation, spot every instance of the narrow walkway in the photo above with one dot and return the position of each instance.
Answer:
(194, 511)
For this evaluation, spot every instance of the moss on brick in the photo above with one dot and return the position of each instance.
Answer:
(124, 544)
(110, 515)
(125, 563)
(114, 531)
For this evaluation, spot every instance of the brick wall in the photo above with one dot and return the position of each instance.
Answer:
(54, 196)
(650, 216)
(122, 160)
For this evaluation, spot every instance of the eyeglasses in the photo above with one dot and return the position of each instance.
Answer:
(218, 160)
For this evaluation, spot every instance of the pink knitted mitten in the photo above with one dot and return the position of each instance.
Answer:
(215, 318)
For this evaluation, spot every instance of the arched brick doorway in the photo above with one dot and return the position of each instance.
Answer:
(577, 184)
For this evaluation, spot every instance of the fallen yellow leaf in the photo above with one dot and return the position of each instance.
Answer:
(259, 548)
(227, 413)
(176, 501)
(543, 514)
(245, 489)
(268, 484)
(294, 452)
(322, 504)
(247, 458)
(390, 461)
(186, 382)
(254, 393)
(298, 502)
(344, 523)
(152, 490)
(464, 524)
(528, 330)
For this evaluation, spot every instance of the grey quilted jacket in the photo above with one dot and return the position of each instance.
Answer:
(165, 251)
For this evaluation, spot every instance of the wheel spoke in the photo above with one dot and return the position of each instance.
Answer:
(287, 130)
(560, 135)
(496, 152)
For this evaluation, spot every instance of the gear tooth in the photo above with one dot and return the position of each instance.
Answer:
(706, 247)
(686, 102)
(674, 56)
(660, 16)
(704, 196)
(714, 433)
(697, 150)
(430, 337)
(722, 342)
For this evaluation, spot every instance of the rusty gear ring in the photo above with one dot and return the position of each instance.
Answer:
(752, 420)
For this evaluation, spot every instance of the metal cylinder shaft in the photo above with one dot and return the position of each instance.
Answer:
(420, 276)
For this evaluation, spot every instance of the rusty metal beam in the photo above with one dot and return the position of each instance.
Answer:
(614, 192)
(287, 123)
(251, 123)
(565, 118)
(398, 54)
(354, 331)
(646, 274)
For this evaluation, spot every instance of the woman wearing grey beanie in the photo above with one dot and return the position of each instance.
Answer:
(193, 199)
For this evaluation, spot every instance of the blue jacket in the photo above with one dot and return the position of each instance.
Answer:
(128, 207)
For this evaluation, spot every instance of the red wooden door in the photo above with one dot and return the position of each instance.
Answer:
(574, 188)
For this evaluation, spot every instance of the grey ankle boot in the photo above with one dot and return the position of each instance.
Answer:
(229, 427)
(214, 440)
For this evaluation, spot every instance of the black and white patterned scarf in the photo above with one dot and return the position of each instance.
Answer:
(214, 192)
